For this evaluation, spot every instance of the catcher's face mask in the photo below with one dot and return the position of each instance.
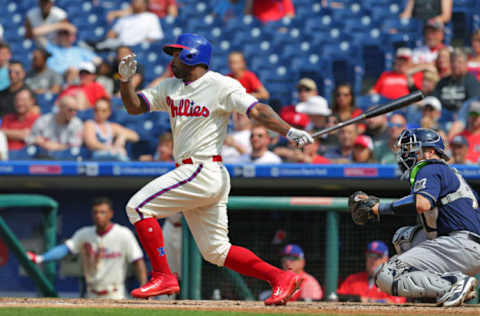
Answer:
(409, 148)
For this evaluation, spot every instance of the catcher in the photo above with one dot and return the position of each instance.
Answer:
(439, 261)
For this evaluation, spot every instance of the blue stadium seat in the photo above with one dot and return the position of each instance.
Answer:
(25, 153)
(366, 101)
(85, 115)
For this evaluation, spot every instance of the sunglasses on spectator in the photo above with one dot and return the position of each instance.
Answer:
(300, 89)
(398, 125)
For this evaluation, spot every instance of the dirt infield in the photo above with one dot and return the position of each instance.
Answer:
(245, 306)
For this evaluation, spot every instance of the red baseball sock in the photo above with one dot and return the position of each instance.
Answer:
(247, 263)
(151, 238)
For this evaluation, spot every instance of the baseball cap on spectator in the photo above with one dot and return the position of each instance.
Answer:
(459, 140)
(433, 102)
(434, 25)
(86, 66)
(378, 247)
(315, 105)
(307, 83)
(293, 251)
(299, 120)
(404, 52)
(364, 141)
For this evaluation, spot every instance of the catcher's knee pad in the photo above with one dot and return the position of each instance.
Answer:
(399, 279)
(407, 237)
(215, 252)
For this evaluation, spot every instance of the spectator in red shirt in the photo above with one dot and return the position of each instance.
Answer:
(293, 259)
(248, 79)
(17, 126)
(270, 10)
(363, 284)
(395, 84)
(472, 133)
(88, 92)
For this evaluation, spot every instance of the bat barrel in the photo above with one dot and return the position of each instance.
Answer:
(379, 110)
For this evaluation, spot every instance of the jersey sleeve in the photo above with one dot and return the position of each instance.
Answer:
(133, 252)
(75, 243)
(427, 183)
(236, 98)
(156, 97)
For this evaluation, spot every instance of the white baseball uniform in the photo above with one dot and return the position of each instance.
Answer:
(199, 112)
(105, 258)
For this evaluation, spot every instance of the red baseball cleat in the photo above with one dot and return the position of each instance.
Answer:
(159, 284)
(284, 288)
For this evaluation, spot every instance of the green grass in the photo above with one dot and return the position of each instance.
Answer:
(37, 311)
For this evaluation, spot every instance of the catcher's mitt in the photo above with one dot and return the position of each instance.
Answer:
(360, 205)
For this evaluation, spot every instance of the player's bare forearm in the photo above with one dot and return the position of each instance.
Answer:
(141, 271)
(133, 104)
(265, 115)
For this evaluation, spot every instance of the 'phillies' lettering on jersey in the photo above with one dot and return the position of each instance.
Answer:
(187, 107)
(101, 253)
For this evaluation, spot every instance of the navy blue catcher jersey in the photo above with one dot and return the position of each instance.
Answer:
(456, 201)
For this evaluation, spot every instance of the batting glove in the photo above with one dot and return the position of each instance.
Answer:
(127, 67)
(300, 137)
(37, 259)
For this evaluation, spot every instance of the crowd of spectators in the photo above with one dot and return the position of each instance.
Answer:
(86, 87)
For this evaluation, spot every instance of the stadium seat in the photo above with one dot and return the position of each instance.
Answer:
(366, 101)
(46, 102)
(85, 115)
(26, 153)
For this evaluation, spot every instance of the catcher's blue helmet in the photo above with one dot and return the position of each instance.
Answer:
(195, 48)
(411, 141)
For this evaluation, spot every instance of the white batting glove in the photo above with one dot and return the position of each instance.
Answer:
(127, 67)
(300, 137)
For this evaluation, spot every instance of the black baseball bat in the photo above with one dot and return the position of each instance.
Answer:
(378, 110)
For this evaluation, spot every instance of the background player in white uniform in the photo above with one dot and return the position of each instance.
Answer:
(199, 103)
(106, 250)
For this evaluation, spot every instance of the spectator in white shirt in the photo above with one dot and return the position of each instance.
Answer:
(237, 143)
(260, 139)
(433, 42)
(40, 22)
(140, 26)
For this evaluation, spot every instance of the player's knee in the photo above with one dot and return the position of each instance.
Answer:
(384, 277)
(216, 253)
(133, 214)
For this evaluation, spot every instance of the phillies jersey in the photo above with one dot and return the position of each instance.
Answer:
(105, 257)
(199, 111)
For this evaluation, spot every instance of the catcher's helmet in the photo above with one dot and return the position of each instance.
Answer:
(411, 141)
(195, 48)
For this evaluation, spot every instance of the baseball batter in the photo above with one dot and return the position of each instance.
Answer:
(199, 102)
(446, 255)
(106, 250)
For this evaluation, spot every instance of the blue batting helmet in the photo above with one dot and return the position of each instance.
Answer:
(411, 141)
(195, 48)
